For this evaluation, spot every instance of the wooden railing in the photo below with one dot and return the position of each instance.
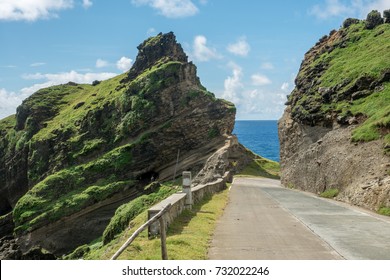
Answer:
(159, 216)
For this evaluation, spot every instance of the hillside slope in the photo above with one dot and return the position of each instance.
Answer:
(335, 131)
(74, 153)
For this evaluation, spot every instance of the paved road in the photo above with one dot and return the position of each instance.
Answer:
(265, 221)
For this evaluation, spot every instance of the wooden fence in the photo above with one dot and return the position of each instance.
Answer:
(159, 216)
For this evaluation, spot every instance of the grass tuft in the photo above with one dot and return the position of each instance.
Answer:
(330, 193)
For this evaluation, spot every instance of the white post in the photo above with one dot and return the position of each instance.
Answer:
(187, 188)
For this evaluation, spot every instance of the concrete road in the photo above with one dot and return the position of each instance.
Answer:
(265, 221)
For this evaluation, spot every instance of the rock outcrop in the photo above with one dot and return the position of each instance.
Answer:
(335, 130)
(74, 153)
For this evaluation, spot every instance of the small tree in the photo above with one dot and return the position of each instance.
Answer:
(95, 83)
(349, 21)
(374, 19)
(386, 15)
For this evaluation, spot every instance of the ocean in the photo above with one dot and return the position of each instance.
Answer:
(259, 136)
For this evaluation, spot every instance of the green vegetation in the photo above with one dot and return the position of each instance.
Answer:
(348, 64)
(262, 167)
(188, 236)
(127, 212)
(330, 193)
(72, 189)
(354, 60)
(377, 109)
(384, 211)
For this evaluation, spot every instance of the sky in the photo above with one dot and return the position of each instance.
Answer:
(246, 51)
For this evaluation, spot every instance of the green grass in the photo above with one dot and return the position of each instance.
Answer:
(72, 189)
(384, 211)
(188, 237)
(377, 109)
(125, 213)
(366, 52)
(262, 167)
(330, 193)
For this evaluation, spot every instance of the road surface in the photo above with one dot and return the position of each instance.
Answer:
(265, 221)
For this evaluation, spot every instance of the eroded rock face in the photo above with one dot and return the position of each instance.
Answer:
(127, 129)
(317, 148)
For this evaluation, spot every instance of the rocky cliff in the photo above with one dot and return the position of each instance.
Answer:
(73, 153)
(335, 131)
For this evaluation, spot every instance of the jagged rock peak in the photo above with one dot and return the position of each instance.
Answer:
(155, 49)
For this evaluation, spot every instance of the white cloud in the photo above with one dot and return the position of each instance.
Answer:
(124, 63)
(201, 51)
(267, 66)
(241, 47)
(8, 102)
(87, 4)
(37, 64)
(62, 78)
(260, 80)
(100, 63)
(285, 86)
(32, 10)
(170, 8)
(151, 31)
(233, 84)
(348, 8)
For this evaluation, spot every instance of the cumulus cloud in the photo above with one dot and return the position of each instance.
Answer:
(62, 78)
(233, 85)
(201, 51)
(8, 102)
(347, 8)
(124, 63)
(32, 10)
(260, 80)
(170, 8)
(240, 48)
(100, 63)
(87, 4)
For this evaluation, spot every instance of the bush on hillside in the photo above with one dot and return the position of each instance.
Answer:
(374, 19)
(349, 21)
(386, 15)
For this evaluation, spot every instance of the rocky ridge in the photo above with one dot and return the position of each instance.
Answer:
(335, 131)
(73, 153)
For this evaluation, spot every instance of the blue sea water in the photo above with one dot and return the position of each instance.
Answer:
(259, 136)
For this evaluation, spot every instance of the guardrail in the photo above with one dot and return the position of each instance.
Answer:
(160, 217)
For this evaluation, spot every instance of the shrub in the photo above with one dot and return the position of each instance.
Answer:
(330, 193)
(349, 21)
(386, 15)
(373, 19)
(95, 83)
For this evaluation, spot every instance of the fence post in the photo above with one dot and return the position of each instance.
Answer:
(187, 189)
(163, 235)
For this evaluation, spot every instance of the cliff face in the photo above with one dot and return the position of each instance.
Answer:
(73, 153)
(335, 131)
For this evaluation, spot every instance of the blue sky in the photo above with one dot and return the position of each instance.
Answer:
(246, 51)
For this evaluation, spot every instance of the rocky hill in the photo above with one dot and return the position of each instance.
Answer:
(335, 131)
(74, 153)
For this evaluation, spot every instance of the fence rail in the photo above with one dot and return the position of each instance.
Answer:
(159, 216)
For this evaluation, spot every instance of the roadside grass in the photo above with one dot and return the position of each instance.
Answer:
(188, 237)
(330, 193)
(262, 167)
(384, 211)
